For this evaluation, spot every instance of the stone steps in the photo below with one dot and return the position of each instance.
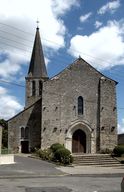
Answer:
(95, 159)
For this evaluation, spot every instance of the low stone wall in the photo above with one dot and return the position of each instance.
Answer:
(6, 159)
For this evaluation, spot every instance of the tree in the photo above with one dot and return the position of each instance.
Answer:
(4, 134)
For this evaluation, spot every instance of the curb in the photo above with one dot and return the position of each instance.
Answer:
(31, 176)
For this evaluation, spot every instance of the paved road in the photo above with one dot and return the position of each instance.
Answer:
(32, 175)
(61, 184)
(25, 166)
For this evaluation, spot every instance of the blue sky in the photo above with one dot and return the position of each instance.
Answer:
(69, 28)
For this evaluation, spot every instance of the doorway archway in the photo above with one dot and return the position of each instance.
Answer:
(79, 142)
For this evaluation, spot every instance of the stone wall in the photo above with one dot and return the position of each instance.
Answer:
(108, 114)
(31, 118)
(60, 95)
(55, 118)
(29, 98)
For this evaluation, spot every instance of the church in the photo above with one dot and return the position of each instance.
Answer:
(76, 108)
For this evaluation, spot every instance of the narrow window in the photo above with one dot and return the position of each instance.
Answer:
(33, 88)
(40, 87)
(22, 132)
(80, 105)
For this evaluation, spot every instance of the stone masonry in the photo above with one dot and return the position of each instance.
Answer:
(60, 118)
(76, 108)
(31, 118)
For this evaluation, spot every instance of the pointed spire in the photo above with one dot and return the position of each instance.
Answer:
(37, 66)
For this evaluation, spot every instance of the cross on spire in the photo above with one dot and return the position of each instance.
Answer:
(37, 23)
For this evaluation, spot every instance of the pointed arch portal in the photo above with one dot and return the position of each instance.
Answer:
(79, 142)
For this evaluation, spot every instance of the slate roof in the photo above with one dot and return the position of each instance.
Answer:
(37, 66)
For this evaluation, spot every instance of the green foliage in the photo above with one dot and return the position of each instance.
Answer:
(57, 153)
(54, 147)
(119, 150)
(34, 149)
(63, 156)
(4, 133)
(5, 151)
(45, 154)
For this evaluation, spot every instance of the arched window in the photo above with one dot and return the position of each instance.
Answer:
(22, 132)
(33, 88)
(40, 87)
(80, 105)
(26, 133)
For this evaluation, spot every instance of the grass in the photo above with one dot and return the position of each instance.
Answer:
(5, 151)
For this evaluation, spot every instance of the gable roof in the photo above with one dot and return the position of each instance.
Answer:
(78, 61)
(25, 109)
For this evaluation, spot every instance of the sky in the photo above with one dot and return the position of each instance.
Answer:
(93, 30)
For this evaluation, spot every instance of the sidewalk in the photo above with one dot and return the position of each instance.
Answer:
(90, 170)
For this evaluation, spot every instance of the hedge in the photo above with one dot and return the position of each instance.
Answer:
(45, 154)
(57, 153)
(54, 147)
(118, 150)
(63, 156)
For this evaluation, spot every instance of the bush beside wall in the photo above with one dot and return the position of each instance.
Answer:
(119, 150)
(57, 153)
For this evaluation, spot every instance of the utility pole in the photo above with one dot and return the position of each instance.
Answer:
(0, 137)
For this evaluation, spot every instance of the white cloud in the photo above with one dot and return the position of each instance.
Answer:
(11, 63)
(2, 91)
(23, 15)
(121, 127)
(60, 7)
(98, 24)
(9, 105)
(109, 7)
(7, 68)
(85, 17)
(103, 48)
(16, 45)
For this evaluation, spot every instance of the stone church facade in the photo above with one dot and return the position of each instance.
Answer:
(76, 108)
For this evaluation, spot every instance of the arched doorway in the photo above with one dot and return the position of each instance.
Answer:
(79, 142)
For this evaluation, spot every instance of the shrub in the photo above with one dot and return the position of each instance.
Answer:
(45, 154)
(54, 147)
(118, 150)
(34, 149)
(56, 153)
(63, 156)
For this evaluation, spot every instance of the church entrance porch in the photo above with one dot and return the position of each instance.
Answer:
(79, 142)
(80, 138)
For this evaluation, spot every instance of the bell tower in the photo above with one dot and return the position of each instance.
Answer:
(37, 72)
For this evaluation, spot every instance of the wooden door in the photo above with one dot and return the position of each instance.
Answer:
(79, 142)
(25, 146)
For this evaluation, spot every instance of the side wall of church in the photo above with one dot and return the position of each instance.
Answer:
(31, 118)
(108, 114)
